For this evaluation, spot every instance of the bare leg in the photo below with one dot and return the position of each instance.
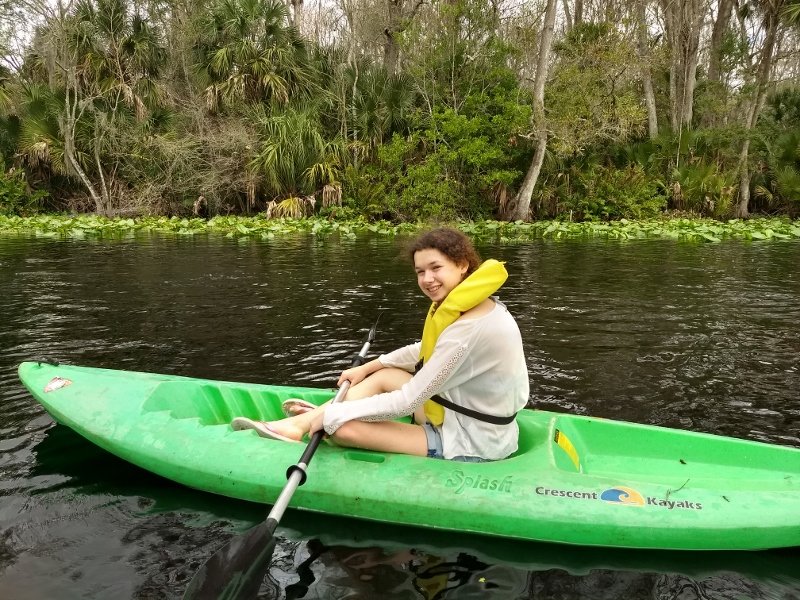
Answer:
(383, 436)
(385, 380)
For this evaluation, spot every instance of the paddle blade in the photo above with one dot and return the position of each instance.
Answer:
(236, 570)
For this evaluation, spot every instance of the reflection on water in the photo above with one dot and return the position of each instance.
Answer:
(346, 572)
(334, 555)
(695, 337)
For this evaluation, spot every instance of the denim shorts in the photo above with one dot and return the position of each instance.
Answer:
(434, 435)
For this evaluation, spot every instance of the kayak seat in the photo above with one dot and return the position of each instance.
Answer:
(532, 434)
(218, 403)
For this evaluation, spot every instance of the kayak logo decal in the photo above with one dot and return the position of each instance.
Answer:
(56, 383)
(460, 481)
(622, 495)
(619, 495)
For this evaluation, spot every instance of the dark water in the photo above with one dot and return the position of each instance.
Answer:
(700, 337)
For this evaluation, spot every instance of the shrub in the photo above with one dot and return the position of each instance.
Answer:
(611, 193)
(362, 194)
(14, 196)
(703, 188)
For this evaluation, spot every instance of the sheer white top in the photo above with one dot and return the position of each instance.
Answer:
(477, 363)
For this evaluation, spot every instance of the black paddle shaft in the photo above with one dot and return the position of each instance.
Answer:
(236, 570)
(316, 439)
(296, 474)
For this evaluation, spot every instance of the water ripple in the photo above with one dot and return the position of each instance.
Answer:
(696, 337)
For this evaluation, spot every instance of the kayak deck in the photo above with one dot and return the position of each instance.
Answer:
(576, 480)
(614, 449)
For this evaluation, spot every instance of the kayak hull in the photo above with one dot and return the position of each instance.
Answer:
(574, 480)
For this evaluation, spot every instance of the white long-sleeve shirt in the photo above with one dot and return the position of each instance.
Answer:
(476, 363)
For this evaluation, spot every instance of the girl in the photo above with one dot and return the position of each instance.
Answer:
(464, 382)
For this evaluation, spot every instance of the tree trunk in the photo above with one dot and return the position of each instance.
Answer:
(724, 10)
(521, 204)
(690, 75)
(647, 79)
(105, 191)
(68, 123)
(352, 44)
(297, 9)
(741, 210)
(68, 119)
(683, 21)
(294, 8)
(670, 27)
(771, 21)
(714, 77)
(354, 91)
(496, 18)
(390, 51)
(578, 12)
(399, 21)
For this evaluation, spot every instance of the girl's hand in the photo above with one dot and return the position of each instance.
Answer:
(355, 375)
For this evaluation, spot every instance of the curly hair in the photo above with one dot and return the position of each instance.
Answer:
(453, 243)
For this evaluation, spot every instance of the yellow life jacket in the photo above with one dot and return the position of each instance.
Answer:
(476, 288)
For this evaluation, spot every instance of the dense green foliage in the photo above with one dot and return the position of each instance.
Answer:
(15, 199)
(224, 107)
(262, 228)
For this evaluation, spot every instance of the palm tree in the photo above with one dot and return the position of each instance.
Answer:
(248, 50)
(295, 159)
(376, 104)
(781, 181)
(41, 141)
(102, 62)
(119, 54)
(5, 96)
(9, 122)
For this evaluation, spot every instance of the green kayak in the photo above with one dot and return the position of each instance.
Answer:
(574, 480)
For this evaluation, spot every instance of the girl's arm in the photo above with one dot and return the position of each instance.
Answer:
(431, 379)
(405, 358)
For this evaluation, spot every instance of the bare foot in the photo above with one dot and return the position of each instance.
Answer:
(276, 430)
(287, 429)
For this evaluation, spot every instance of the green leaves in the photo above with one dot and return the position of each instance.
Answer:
(610, 193)
(260, 228)
(693, 230)
(295, 157)
(14, 196)
(231, 226)
(247, 51)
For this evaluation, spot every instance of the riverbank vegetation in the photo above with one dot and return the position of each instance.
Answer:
(262, 228)
(382, 112)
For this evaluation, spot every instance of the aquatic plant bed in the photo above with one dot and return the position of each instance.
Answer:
(258, 227)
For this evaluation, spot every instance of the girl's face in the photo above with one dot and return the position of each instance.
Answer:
(437, 275)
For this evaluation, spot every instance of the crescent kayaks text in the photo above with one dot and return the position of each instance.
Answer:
(620, 495)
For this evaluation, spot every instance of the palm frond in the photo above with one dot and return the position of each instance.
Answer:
(292, 207)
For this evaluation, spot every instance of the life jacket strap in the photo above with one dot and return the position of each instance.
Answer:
(494, 420)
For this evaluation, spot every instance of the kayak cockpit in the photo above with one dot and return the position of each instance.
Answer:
(615, 449)
(213, 403)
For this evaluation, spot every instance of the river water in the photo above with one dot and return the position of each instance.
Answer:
(699, 337)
